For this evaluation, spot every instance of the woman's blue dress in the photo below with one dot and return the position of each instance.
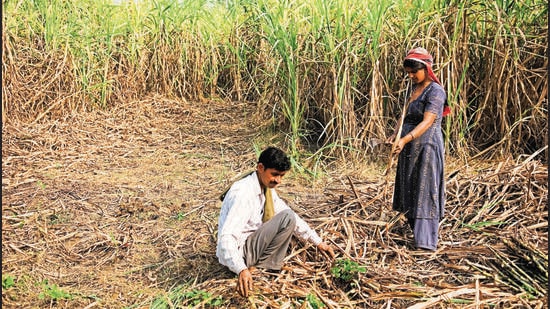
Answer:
(419, 182)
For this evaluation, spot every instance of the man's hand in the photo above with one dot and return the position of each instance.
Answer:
(326, 248)
(245, 284)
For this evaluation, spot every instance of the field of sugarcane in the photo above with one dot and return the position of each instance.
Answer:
(122, 122)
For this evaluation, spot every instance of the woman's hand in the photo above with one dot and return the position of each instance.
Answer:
(426, 123)
(399, 146)
(391, 139)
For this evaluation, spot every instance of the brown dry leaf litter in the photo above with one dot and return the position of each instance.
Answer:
(119, 209)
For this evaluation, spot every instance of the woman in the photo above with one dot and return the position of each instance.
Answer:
(419, 183)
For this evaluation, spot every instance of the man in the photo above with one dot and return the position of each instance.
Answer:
(255, 225)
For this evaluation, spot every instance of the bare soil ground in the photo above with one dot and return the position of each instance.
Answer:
(118, 209)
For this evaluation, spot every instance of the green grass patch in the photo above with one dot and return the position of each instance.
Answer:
(8, 281)
(480, 225)
(53, 292)
(180, 297)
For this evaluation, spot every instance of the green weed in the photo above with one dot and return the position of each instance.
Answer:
(53, 292)
(180, 216)
(199, 296)
(314, 301)
(347, 270)
(41, 185)
(180, 298)
(480, 225)
(8, 281)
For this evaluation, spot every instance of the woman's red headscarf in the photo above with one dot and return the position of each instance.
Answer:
(421, 55)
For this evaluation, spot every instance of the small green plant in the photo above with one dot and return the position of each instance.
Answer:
(41, 185)
(199, 296)
(180, 216)
(193, 297)
(346, 269)
(8, 281)
(480, 225)
(53, 292)
(314, 301)
(57, 219)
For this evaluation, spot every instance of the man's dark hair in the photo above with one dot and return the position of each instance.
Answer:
(273, 157)
(415, 65)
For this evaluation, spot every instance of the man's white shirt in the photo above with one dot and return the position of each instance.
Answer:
(241, 215)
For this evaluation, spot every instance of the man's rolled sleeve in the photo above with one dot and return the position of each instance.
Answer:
(229, 254)
(233, 218)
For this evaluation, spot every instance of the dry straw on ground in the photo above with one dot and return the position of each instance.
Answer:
(119, 209)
